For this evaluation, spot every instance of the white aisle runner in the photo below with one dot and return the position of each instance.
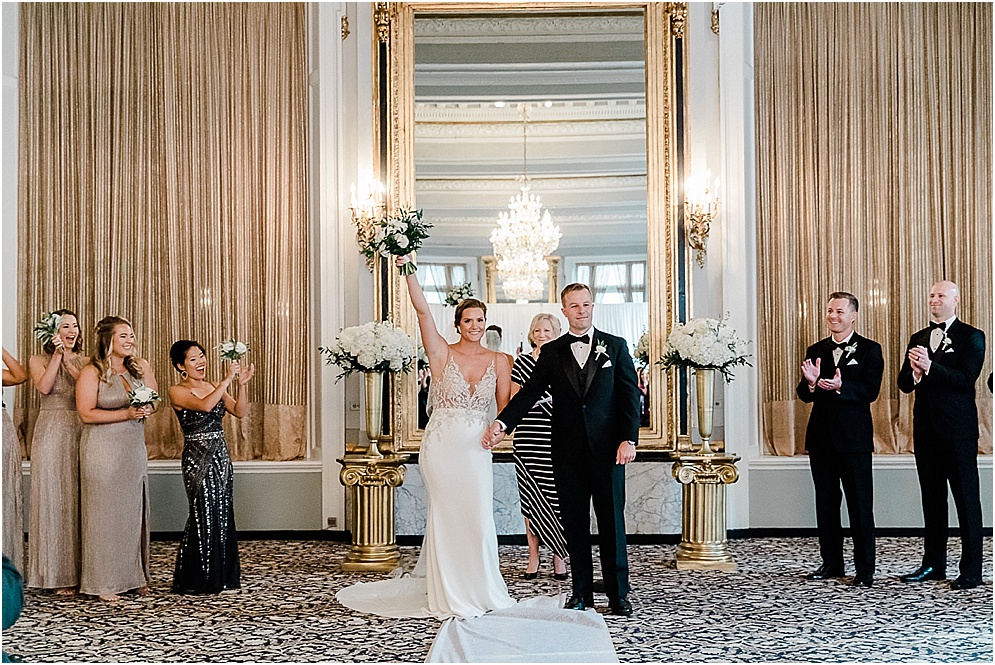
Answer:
(536, 630)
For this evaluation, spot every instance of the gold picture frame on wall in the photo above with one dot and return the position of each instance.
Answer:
(398, 19)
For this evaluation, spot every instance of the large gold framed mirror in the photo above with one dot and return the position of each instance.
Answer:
(573, 100)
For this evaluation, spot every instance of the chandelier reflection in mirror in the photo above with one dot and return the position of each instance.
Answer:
(524, 236)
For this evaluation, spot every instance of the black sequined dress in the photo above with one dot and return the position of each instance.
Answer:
(207, 560)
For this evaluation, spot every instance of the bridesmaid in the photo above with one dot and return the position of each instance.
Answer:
(53, 522)
(207, 558)
(113, 466)
(14, 374)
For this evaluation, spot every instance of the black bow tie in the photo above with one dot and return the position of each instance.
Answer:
(838, 345)
(941, 326)
(584, 339)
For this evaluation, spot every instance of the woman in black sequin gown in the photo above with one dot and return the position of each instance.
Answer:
(207, 559)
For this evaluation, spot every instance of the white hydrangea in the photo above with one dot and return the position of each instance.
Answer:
(375, 346)
(705, 343)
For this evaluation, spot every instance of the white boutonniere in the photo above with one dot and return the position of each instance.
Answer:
(850, 349)
(945, 342)
(600, 349)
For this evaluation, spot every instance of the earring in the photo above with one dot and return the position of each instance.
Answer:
(183, 374)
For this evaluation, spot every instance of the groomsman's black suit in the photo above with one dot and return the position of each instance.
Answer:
(594, 410)
(945, 435)
(839, 441)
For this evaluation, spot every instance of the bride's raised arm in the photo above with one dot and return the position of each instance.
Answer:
(436, 346)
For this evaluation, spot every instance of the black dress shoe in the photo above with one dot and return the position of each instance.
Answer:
(560, 577)
(824, 572)
(621, 607)
(924, 573)
(865, 582)
(578, 603)
(965, 583)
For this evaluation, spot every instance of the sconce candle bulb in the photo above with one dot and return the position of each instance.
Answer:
(700, 209)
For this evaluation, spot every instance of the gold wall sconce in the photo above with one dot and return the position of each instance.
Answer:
(700, 208)
(368, 207)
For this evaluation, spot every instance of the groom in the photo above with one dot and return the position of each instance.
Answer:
(595, 428)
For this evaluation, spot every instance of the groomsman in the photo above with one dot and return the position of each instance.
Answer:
(942, 364)
(841, 376)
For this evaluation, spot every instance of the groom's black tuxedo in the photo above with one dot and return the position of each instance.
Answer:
(839, 441)
(594, 411)
(945, 436)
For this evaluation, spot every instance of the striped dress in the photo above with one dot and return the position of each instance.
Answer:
(534, 465)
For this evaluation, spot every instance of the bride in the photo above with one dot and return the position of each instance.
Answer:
(457, 574)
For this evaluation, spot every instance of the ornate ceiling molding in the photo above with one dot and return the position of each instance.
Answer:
(541, 185)
(510, 29)
(506, 130)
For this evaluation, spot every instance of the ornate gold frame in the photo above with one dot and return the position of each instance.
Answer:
(661, 206)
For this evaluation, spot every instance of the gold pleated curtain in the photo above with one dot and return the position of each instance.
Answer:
(163, 178)
(874, 161)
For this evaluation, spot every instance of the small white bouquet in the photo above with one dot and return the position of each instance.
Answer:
(144, 396)
(231, 349)
(458, 293)
(705, 344)
(397, 236)
(643, 349)
(48, 327)
(377, 346)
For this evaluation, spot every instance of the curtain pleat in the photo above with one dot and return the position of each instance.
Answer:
(163, 157)
(874, 177)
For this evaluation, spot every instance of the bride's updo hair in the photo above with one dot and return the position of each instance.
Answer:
(469, 303)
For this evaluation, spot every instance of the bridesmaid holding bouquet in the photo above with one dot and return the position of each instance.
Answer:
(53, 523)
(207, 558)
(113, 464)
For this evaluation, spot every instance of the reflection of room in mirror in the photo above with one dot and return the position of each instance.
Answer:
(582, 75)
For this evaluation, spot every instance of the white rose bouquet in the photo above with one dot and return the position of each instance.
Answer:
(398, 236)
(377, 346)
(232, 349)
(458, 293)
(705, 344)
(48, 327)
(643, 349)
(144, 396)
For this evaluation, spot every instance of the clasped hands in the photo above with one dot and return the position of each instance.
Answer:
(494, 434)
(811, 371)
(919, 360)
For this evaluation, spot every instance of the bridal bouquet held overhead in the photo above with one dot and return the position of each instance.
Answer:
(707, 346)
(397, 235)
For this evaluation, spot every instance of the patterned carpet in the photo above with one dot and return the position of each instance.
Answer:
(765, 612)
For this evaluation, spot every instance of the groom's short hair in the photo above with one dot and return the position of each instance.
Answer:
(570, 288)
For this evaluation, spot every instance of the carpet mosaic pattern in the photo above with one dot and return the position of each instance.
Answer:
(764, 612)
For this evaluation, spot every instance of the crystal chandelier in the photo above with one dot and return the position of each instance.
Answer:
(524, 236)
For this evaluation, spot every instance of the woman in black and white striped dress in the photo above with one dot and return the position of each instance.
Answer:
(533, 459)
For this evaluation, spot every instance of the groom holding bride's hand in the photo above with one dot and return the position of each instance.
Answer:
(595, 428)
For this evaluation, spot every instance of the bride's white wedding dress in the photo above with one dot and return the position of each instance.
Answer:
(457, 574)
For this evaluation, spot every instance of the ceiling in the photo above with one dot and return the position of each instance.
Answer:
(583, 78)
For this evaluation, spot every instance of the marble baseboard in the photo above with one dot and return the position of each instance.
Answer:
(652, 503)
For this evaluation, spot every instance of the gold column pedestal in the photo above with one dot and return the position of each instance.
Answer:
(703, 515)
(372, 479)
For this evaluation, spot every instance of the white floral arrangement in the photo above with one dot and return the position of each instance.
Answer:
(397, 235)
(377, 346)
(48, 327)
(643, 349)
(458, 293)
(232, 349)
(143, 396)
(705, 344)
